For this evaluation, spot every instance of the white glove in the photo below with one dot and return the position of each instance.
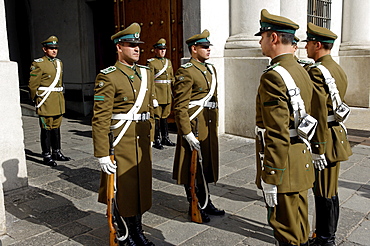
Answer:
(106, 165)
(319, 161)
(155, 103)
(193, 142)
(270, 192)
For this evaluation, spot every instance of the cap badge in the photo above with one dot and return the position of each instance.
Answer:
(137, 35)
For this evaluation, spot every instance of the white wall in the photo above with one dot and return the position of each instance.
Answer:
(13, 171)
(215, 18)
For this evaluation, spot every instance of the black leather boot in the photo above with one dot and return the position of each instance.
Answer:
(327, 215)
(45, 146)
(164, 131)
(129, 240)
(157, 138)
(205, 217)
(55, 144)
(136, 231)
(210, 208)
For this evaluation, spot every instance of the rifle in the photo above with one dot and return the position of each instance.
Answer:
(110, 196)
(115, 221)
(195, 212)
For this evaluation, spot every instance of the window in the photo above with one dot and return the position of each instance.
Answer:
(319, 12)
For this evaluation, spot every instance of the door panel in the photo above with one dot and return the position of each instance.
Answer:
(158, 19)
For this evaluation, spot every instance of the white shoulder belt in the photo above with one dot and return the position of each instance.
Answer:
(132, 113)
(48, 90)
(162, 70)
(205, 101)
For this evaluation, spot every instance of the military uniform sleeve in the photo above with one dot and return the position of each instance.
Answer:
(35, 79)
(275, 116)
(319, 111)
(103, 107)
(182, 88)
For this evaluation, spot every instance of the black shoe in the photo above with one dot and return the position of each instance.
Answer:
(205, 217)
(157, 144)
(167, 141)
(48, 160)
(57, 155)
(212, 210)
(318, 241)
(128, 242)
(136, 231)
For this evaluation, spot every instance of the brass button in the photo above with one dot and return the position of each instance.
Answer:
(307, 165)
(304, 151)
(272, 172)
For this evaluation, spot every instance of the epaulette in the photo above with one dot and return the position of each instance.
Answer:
(108, 70)
(271, 67)
(305, 62)
(151, 59)
(39, 60)
(315, 64)
(146, 67)
(186, 65)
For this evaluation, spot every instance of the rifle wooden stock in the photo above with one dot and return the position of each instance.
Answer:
(110, 197)
(195, 212)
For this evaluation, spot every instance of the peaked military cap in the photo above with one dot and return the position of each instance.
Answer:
(52, 42)
(131, 34)
(318, 33)
(199, 39)
(275, 23)
(161, 44)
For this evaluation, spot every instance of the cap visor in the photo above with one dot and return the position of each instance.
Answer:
(204, 44)
(258, 33)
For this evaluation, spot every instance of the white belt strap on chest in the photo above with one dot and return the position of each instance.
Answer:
(48, 90)
(333, 90)
(294, 93)
(204, 101)
(296, 101)
(162, 70)
(133, 111)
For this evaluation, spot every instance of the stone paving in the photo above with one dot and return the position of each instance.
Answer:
(60, 205)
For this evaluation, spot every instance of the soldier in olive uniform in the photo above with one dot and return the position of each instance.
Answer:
(46, 90)
(284, 166)
(123, 103)
(163, 80)
(329, 144)
(196, 113)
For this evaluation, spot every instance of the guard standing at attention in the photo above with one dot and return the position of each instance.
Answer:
(196, 113)
(163, 80)
(123, 103)
(46, 90)
(284, 166)
(330, 145)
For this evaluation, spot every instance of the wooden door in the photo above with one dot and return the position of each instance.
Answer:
(158, 19)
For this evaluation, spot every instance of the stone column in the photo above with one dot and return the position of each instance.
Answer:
(297, 12)
(13, 172)
(244, 64)
(354, 51)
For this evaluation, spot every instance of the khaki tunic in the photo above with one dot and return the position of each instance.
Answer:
(287, 162)
(163, 91)
(116, 92)
(43, 72)
(322, 142)
(193, 82)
